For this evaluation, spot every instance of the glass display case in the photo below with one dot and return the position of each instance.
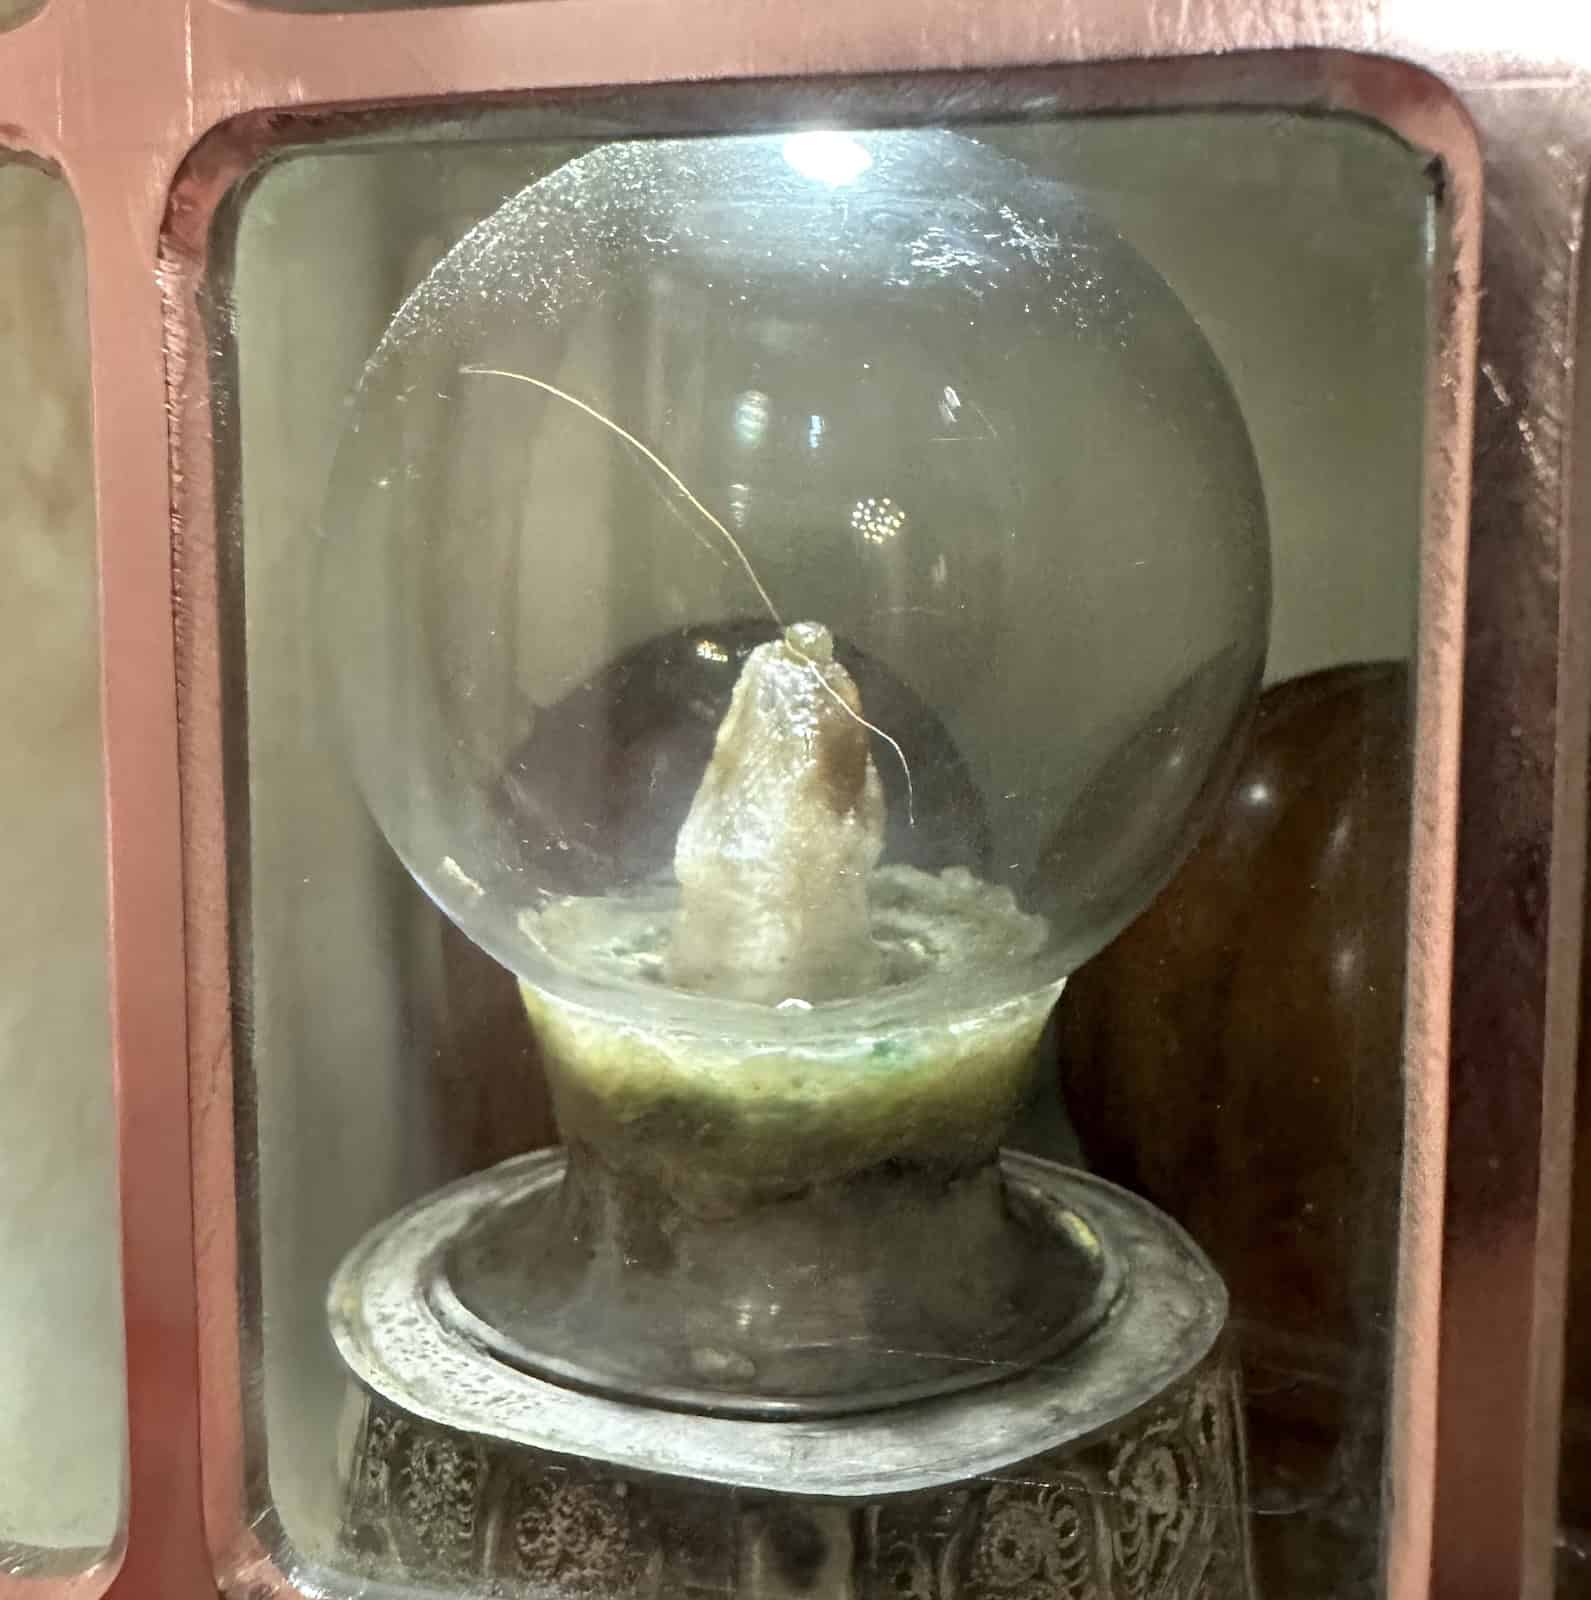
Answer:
(818, 861)
(786, 1011)
(490, 688)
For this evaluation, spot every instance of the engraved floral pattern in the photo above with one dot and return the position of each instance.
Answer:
(438, 1492)
(1041, 1542)
(578, 1534)
(1152, 1511)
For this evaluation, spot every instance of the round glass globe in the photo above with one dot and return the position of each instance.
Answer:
(891, 391)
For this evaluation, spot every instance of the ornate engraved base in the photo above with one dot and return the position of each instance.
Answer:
(1115, 1473)
(1153, 1508)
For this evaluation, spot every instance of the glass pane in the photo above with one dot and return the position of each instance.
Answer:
(1234, 1055)
(1064, 440)
(62, 1395)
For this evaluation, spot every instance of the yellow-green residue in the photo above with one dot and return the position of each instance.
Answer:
(683, 1108)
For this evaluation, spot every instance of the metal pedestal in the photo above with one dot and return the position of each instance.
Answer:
(1115, 1470)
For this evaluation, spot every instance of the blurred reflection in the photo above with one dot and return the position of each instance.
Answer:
(1236, 1057)
(62, 1396)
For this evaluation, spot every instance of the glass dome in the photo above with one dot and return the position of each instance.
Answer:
(794, 587)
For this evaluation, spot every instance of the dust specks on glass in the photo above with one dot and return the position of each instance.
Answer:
(773, 612)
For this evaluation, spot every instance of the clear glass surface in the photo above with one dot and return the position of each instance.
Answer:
(894, 385)
(62, 1380)
(388, 1054)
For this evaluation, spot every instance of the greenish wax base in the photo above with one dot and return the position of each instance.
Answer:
(716, 1120)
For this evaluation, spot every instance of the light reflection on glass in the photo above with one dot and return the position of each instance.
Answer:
(878, 519)
(832, 158)
(751, 418)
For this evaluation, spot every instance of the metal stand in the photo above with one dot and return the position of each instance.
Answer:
(1112, 1470)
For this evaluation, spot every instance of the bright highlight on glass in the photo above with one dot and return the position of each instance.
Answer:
(832, 158)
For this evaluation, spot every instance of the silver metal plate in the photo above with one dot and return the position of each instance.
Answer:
(1165, 1320)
